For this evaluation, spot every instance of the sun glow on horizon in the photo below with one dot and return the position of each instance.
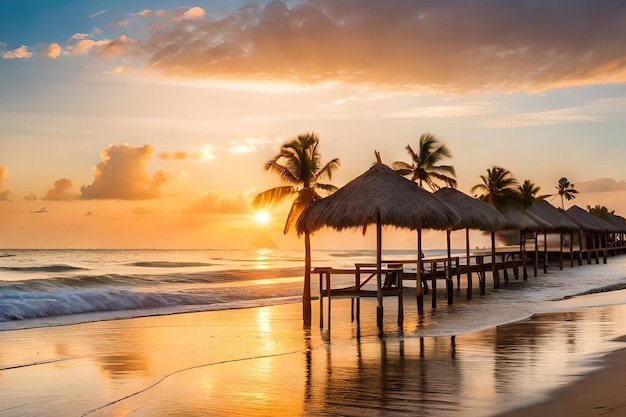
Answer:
(262, 217)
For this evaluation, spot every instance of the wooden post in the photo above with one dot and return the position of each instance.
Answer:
(418, 274)
(545, 253)
(469, 272)
(580, 247)
(449, 282)
(306, 292)
(561, 251)
(571, 249)
(494, 270)
(596, 238)
(523, 253)
(536, 260)
(379, 261)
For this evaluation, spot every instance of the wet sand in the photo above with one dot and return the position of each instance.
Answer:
(599, 393)
(260, 361)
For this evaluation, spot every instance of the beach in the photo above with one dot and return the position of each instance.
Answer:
(511, 352)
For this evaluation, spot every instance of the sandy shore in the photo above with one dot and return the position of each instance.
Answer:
(599, 393)
(260, 361)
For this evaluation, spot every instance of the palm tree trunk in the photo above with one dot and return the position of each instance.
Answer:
(306, 293)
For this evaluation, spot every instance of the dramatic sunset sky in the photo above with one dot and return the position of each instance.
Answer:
(146, 123)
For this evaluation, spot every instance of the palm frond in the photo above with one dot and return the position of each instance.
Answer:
(272, 196)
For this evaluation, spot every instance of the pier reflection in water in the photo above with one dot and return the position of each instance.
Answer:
(476, 374)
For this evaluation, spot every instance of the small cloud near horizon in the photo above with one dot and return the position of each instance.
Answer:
(122, 175)
(601, 185)
(212, 203)
(61, 191)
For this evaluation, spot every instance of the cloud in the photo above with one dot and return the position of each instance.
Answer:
(249, 145)
(178, 155)
(53, 51)
(61, 191)
(212, 203)
(601, 185)
(455, 110)
(195, 13)
(594, 111)
(116, 70)
(122, 175)
(150, 12)
(207, 152)
(104, 48)
(78, 36)
(17, 53)
(456, 45)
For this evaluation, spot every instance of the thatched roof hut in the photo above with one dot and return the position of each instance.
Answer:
(383, 197)
(587, 221)
(515, 219)
(474, 213)
(617, 221)
(551, 218)
(378, 195)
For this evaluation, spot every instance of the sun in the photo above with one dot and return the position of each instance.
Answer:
(262, 217)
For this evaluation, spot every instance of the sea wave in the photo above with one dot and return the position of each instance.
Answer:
(168, 264)
(62, 296)
(42, 268)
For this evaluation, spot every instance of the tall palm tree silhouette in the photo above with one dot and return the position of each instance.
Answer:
(299, 164)
(565, 190)
(499, 187)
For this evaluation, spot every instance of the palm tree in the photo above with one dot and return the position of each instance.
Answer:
(424, 166)
(528, 193)
(499, 187)
(566, 191)
(600, 211)
(299, 164)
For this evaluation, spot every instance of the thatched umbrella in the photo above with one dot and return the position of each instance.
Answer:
(474, 214)
(380, 196)
(556, 222)
(590, 224)
(515, 219)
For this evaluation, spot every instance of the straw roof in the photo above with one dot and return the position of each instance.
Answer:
(515, 219)
(379, 191)
(617, 221)
(556, 219)
(474, 213)
(587, 221)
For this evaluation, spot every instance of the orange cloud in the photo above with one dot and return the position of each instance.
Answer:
(178, 155)
(53, 51)
(18, 53)
(61, 190)
(212, 203)
(104, 48)
(195, 13)
(454, 45)
(122, 175)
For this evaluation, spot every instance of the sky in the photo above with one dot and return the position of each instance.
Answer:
(146, 123)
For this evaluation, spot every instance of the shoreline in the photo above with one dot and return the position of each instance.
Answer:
(600, 392)
(150, 363)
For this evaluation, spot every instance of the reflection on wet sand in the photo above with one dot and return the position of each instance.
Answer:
(261, 362)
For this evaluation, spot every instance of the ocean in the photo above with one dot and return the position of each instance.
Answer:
(41, 288)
